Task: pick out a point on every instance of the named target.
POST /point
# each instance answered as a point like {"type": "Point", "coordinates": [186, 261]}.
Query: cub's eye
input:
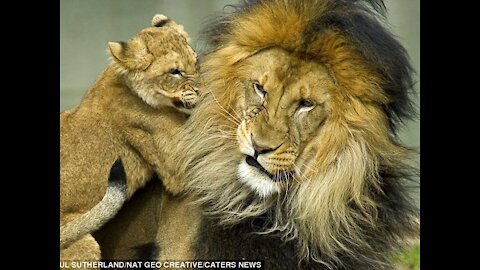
{"type": "Point", "coordinates": [175, 72]}
{"type": "Point", "coordinates": [259, 90]}
{"type": "Point", "coordinates": [306, 105]}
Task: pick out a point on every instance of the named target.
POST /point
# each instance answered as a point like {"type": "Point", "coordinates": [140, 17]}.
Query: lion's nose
{"type": "Point", "coordinates": [259, 149]}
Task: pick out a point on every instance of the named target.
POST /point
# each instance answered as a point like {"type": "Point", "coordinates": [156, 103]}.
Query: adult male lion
{"type": "Point", "coordinates": [296, 138]}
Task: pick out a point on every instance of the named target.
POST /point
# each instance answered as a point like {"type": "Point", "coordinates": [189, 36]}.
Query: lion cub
{"type": "Point", "coordinates": [129, 114]}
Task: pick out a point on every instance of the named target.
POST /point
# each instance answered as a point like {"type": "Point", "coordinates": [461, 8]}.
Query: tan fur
{"type": "Point", "coordinates": [85, 249]}
{"type": "Point", "coordinates": [114, 198]}
{"type": "Point", "coordinates": [177, 228]}
{"type": "Point", "coordinates": [135, 99]}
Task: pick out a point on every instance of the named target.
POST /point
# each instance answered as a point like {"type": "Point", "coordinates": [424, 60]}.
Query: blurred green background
{"type": "Point", "coordinates": [86, 26]}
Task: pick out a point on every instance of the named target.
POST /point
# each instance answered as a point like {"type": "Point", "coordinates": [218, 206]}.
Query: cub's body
{"type": "Point", "coordinates": [130, 113]}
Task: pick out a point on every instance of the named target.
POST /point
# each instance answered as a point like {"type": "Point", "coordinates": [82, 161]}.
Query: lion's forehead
{"type": "Point", "coordinates": [286, 76]}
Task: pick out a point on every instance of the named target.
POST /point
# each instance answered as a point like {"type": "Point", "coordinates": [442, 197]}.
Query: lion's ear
{"type": "Point", "coordinates": [132, 55]}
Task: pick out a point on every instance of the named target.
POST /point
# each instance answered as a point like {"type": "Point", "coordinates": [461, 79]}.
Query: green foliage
{"type": "Point", "coordinates": [409, 259]}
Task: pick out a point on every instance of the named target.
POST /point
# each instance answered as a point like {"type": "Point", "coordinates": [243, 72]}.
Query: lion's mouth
{"type": "Point", "coordinates": [276, 178]}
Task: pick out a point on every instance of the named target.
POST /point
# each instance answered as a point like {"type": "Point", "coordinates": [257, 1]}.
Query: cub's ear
{"type": "Point", "coordinates": [132, 55]}
{"type": "Point", "coordinates": [159, 20]}
{"type": "Point", "coordinates": [116, 50]}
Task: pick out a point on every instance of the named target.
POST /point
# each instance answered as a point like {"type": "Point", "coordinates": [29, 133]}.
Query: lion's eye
{"type": "Point", "coordinates": [175, 72]}
{"type": "Point", "coordinates": [260, 90]}
{"type": "Point", "coordinates": [305, 105]}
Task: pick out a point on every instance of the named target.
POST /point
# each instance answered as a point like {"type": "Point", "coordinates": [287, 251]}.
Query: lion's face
{"type": "Point", "coordinates": [284, 104]}
{"type": "Point", "coordinates": [160, 65]}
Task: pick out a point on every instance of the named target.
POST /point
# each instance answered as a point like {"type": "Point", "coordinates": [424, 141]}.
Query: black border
{"type": "Point", "coordinates": [444, 129]}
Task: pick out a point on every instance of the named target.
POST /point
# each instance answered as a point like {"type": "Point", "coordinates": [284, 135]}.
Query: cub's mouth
{"type": "Point", "coordinates": [180, 104]}
{"type": "Point", "coordinates": [282, 176]}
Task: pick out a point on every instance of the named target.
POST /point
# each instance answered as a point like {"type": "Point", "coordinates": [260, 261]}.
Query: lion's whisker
{"type": "Point", "coordinates": [235, 111]}
{"type": "Point", "coordinates": [237, 121]}
{"type": "Point", "coordinates": [230, 118]}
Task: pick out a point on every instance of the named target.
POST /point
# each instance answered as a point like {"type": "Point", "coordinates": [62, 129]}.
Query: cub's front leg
{"type": "Point", "coordinates": [84, 250]}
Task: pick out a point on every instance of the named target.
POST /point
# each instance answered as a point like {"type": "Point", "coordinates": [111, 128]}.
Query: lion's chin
{"type": "Point", "coordinates": [258, 181]}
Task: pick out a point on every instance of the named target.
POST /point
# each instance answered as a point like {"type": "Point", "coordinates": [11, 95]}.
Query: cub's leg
{"type": "Point", "coordinates": [76, 241]}
{"type": "Point", "coordinates": [84, 250]}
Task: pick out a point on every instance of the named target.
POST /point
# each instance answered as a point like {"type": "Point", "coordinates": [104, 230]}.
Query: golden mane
{"type": "Point", "coordinates": [352, 206]}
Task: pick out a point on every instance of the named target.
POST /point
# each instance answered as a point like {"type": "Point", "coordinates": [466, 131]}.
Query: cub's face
{"type": "Point", "coordinates": [160, 66]}
{"type": "Point", "coordinates": [172, 74]}
{"type": "Point", "coordinates": [285, 103]}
